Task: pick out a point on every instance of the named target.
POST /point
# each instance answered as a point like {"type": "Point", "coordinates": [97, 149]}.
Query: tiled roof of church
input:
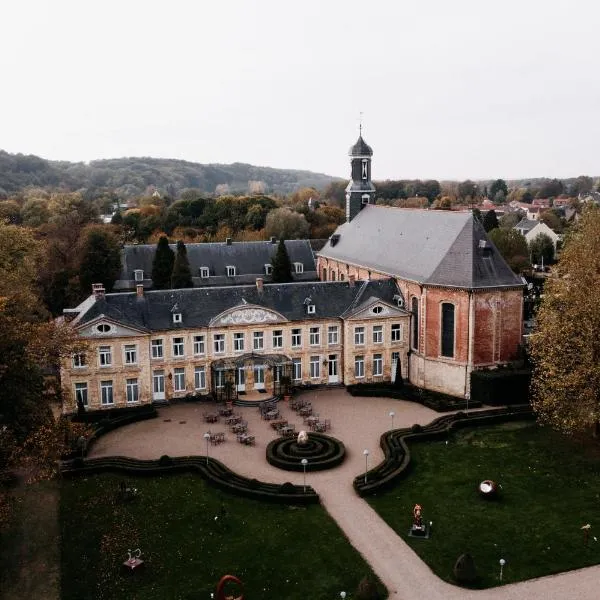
{"type": "Point", "coordinates": [199, 306]}
{"type": "Point", "coordinates": [434, 247]}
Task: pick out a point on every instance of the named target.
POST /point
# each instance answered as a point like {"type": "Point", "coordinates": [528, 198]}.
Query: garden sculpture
{"type": "Point", "coordinates": [302, 438]}
{"type": "Point", "coordinates": [221, 588]}
{"type": "Point", "coordinates": [418, 519]}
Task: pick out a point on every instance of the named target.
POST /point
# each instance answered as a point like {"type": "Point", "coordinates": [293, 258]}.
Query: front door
{"type": "Point", "coordinates": [240, 379]}
{"type": "Point", "coordinates": [158, 385]}
{"type": "Point", "coordinates": [259, 378]}
{"type": "Point", "coordinates": [332, 366]}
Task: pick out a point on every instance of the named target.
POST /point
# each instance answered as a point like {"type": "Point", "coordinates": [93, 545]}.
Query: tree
{"type": "Point", "coordinates": [498, 186]}
{"type": "Point", "coordinates": [162, 265]}
{"type": "Point", "coordinates": [553, 219]}
{"type": "Point", "coordinates": [35, 212]}
{"type": "Point", "coordinates": [284, 223]}
{"type": "Point", "coordinates": [100, 258]}
{"type": "Point", "coordinates": [467, 188]}
{"type": "Point", "coordinates": [582, 184]}
{"type": "Point", "coordinates": [490, 220]}
{"type": "Point", "coordinates": [477, 215]}
{"type": "Point", "coordinates": [282, 266]}
{"type": "Point", "coordinates": [541, 249]}
{"type": "Point", "coordinates": [551, 188]}
{"type": "Point", "coordinates": [565, 348]}
{"type": "Point", "coordinates": [509, 220]}
{"type": "Point", "coordinates": [181, 276]}
{"type": "Point", "coordinates": [513, 247]}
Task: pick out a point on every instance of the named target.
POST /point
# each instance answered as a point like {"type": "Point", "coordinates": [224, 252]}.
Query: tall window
{"type": "Point", "coordinates": [199, 344]}
{"type": "Point", "coordinates": [278, 338]}
{"type": "Point", "coordinates": [377, 365]}
{"type": "Point", "coordinates": [105, 356]}
{"type": "Point", "coordinates": [81, 393]}
{"type": "Point", "coordinates": [238, 342]}
{"type": "Point", "coordinates": [258, 340]}
{"type": "Point", "coordinates": [359, 366]}
{"type": "Point", "coordinates": [133, 390]}
{"type": "Point", "coordinates": [332, 335]}
{"type": "Point", "coordinates": [79, 360]}
{"type": "Point", "coordinates": [157, 349]}
{"type": "Point", "coordinates": [106, 392]}
{"type": "Point", "coordinates": [130, 354]}
{"type": "Point", "coordinates": [364, 168]}
{"type": "Point", "coordinates": [359, 336]}
{"type": "Point", "coordinates": [378, 334]}
{"type": "Point", "coordinates": [415, 324]}
{"type": "Point", "coordinates": [297, 369]}
{"type": "Point", "coordinates": [179, 380]}
{"type": "Point", "coordinates": [448, 329]}
{"type": "Point", "coordinates": [219, 342]}
{"type": "Point", "coordinates": [315, 336]}
{"type": "Point", "coordinates": [396, 332]}
{"type": "Point", "coordinates": [178, 347]}
{"type": "Point", "coordinates": [200, 378]}
{"type": "Point", "coordinates": [296, 338]}
{"type": "Point", "coordinates": [315, 367]}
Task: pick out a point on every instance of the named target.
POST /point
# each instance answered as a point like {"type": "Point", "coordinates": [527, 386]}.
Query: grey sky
{"type": "Point", "coordinates": [448, 88]}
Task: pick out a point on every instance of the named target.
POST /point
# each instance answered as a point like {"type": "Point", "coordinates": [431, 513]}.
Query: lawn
{"type": "Point", "coordinates": [277, 551]}
{"type": "Point", "coordinates": [550, 488]}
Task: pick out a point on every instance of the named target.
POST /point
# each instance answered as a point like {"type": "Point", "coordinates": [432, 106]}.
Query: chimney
{"type": "Point", "coordinates": [98, 290]}
{"type": "Point", "coordinates": [351, 280]}
{"type": "Point", "coordinates": [139, 290]}
{"type": "Point", "coordinates": [228, 241]}
{"type": "Point", "coordinates": [273, 239]}
{"type": "Point", "coordinates": [259, 284]}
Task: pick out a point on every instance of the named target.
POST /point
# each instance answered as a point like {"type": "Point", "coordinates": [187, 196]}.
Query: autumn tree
{"type": "Point", "coordinates": [565, 347]}
{"type": "Point", "coordinates": [182, 275]}
{"type": "Point", "coordinates": [162, 265]}
{"type": "Point", "coordinates": [100, 258]}
{"type": "Point", "coordinates": [490, 220]}
{"type": "Point", "coordinates": [513, 247]}
{"type": "Point", "coordinates": [509, 220]}
{"type": "Point", "coordinates": [282, 266]}
{"type": "Point", "coordinates": [284, 223]}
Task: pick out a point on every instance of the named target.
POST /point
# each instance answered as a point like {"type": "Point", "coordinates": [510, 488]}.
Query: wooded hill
{"type": "Point", "coordinates": [128, 177]}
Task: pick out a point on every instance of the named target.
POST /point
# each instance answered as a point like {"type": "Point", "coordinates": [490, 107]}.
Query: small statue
{"type": "Point", "coordinates": [302, 438]}
{"type": "Point", "coordinates": [418, 519]}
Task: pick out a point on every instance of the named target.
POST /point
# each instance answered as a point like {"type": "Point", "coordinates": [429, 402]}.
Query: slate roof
{"type": "Point", "coordinates": [249, 259]}
{"type": "Point", "coordinates": [526, 224]}
{"type": "Point", "coordinates": [361, 148]}
{"type": "Point", "coordinates": [199, 306]}
{"type": "Point", "coordinates": [444, 248]}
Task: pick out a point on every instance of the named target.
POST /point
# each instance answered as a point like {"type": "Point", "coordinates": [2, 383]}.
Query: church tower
{"type": "Point", "coordinates": [360, 190]}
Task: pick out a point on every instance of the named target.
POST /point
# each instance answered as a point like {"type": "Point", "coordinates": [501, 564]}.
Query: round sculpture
{"type": "Point", "coordinates": [488, 488]}
{"type": "Point", "coordinates": [302, 438]}
{"type": "Point", "coordinates": [321, 452]}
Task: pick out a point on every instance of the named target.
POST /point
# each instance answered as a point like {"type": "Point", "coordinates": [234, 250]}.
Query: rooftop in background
{"type": "Point", "coordinates": [444, 248]}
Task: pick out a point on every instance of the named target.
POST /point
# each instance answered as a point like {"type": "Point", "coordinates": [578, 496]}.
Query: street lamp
{"type": "Point", "coordinates": [392, 415]}
{"type": "Point", "coordinates": [207, 438]}
{"type": "Point", "coordinates": [366, 454]}
{"type": "Point", "coordinates": [502, 563]}
{"type": "Point", "coordinates": [304, 463]}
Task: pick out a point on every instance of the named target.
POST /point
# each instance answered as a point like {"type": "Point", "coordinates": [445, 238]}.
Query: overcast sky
{"type": "Point", "coordinates": [448, 89]}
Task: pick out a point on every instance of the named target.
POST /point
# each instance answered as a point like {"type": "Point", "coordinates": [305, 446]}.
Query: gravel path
{"type": "Point", "coordinates": [358, 422]}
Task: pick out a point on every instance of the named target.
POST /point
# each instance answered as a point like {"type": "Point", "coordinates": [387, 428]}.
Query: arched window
{"type": "Point", "coordinates": [332, 275]}
{"type": "Point", "coordinates": [448, 329]}
{"type": "Point", "coordinates": [415, 324]}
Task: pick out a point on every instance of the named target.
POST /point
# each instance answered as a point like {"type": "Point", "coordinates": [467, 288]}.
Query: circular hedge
{"type": "Point", "coordinates": [321, 452]}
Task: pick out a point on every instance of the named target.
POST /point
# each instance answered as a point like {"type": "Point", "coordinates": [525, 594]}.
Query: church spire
{"type": "Point", "coordinates": [360, 190]}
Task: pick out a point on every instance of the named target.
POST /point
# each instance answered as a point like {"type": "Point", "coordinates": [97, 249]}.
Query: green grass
{"type": "Point", "coordinates": [277, 551]}
{"type": "Point", "coordinates": [550, 488]}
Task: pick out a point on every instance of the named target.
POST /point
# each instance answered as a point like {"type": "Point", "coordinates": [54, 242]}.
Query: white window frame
{"type": "Point", "coordinates": [157, 349]}
{"type": "Point", "coordinates": [204, 272]}
{"type": "Point", "coordinates": [377, 365]}
{"type": "Point", "coordinates": [128, 351]}
{"type": "Point", "coordinates": [178, 379]}
{"type": "Point", "coordinates": [199, 342]}
{"type": "Point", "coordinates": [81, 389]}
{"type": "Point", "coordinates": [219, 343]}
{"type": "Point", "coordinates": [138, 275]}
{"type": "Point", "coordinates": [365, 169]}
{"type": "Point", "coordinates": [314, 336]}
{"type": "Point", "coordinates": [297, 336]}
{"type": "Point", "coordinates": [230, 270]}
{"type": "Point", "coordinates": [359, 367]}
{"type": "Point", "coordinates": [239, 341]}
{"type": "Point", "coordinates": [79, 360]}
{"type": "Point", "coordinates": [333, 335]}
{"type": "Point", "coordinates": [311, 309]}
{"type": "Point", "coordinates": [297, 369]}
{"type": "Point", "coordinates": [132, 391]}
{"type": "Point", "coordinates": [365, 199]}
{"type": "Point", "coordinates": [268, 269]}
{"type": "Point", "coordinates": [258, 340]}
{"type": "Point", "coordinates": [378, 334]}
{"type": "Point", "coordinates": [178, 347]}
{"type": "Point", "coordinates": [200, 378]}
{"type": "Point", "coordinates": [315, 367]}
{"type": "Point", "coordinates": [106, 352]}
{"type": "Point", "coordinates": [298, 267]}
{"type": "Point", "coordinates": [177, 318]}
{"type": "Point", "coordinates": [277, 338]}
{"type": "Point", "coordinates": [359, 335]}
{"type": "Point", "coordinates": [396, 332]}
{"type": "Point", "coordinates": [107, 385]}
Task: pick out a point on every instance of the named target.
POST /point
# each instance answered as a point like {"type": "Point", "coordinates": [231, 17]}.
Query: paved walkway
{"type": "Point", "coordinates": [358, 422]}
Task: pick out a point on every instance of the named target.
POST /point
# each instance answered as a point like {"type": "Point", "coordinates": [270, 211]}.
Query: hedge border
{"type": "Point", "coordinates": [334, 457]}
{"type": "Point", "coordinates": [396, 463]}
{"type": "Point", "coordinates": [210, 469]}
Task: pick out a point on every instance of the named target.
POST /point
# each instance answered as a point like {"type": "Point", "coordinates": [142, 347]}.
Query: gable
{"type": "Point", "coordinates": [104, 327]}
{"type": "Point", "coordinates": [375, 309]}
{"type": "Point", "coordinates": [247, 315]}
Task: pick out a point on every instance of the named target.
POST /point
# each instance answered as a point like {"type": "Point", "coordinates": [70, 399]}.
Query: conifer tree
{"type": "Point", "coordinates": [100, 258]}
{"type": "Point", "coordinates": [162, 265]}
{"type": "Point", "coordinates": [490, 220]}
{"type": "Point", "coordinates": [181, 276]}
{"type": "Point", "coordinates": [282, 266]}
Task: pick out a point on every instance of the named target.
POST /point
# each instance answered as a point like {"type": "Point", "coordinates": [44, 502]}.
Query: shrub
{"type": "Point", "coordinates": [501, 386]}
{"type": "Point", "coordinates": [165, 461]}
{"type": "Point", "coordinates": [416, 428]}
{"type": "Point", "coordinates": [287, 488]}
{"type": "Point", "coordinates": [254, 484]}
{"type": "Point", "coordinates": [78, 463]}
{"type": "Point", "coordinates": [366, 590]}
{"type": "Point", "coordinates": [464, 569]}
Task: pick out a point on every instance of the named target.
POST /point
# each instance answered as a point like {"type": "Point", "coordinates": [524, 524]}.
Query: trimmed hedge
{"type": "Point", "coordinates": [215, 472]}
{"type": "Point", "coordinates": [95, 416]}
{"type": "Point", "coordinates": [501, 387]}
{"type": "Point", "coordinates": [321, 451]}
{"type": "Point", "coordinates": [434, 400]}
{"type": "Point", "coordinates": [396, 463]}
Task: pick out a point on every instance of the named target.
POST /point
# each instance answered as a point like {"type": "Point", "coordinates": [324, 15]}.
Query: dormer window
{"type": "Point", "coordinates": [299, 267]}
{"type": "Point", "coordinates": [230, 271]}
{"type": "Point", "coordinates": [310, 309]}
{"type": "Point", "coordinates": [204, 272]}
{"type": "Point", "coordinates": [365, 171]}
{"type": "Point", "coordinates": [365, 198]}
{"type": "Point", "coordinates": [268, 269]}
{"type": "Point", "coordinates": [138, 275]}
{"type": "Point", "coordinates": [177, 317]}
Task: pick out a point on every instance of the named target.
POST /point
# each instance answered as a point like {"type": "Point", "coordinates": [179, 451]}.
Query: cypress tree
{"type": "Point", "coordinates": [490, 220]}
{"type": "Point", "coordinates": [162, 265]}
{"type": "Point", "coordinates": [100, 258]}
{"type": "Point", "coordinates": [282, 266]}
{"type": "Point", "coordinates": [181, 276]}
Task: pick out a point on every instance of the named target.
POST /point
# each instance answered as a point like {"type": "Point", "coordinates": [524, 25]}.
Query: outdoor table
{"type": "Point", "coordinates": [225, 412]}
{"type": "Point", "coordinates": [320, 427]}
{"type": "Point", "coordinates": [272, 414]}
{"type": "Point", "coordinates": [306, 411]}
{"type": "Point", "coordinates": [312, 420]}
{"type": "Point", "coordinates": [239, 428]}
{"type": "Point", "coordinates": [233, 419]}
{"type": "Point", "coordinates": [279, 424]}
{"type": "Point", "coordinates": [211, 418]}
{"type": "Point", "coordinates": [287, 430]}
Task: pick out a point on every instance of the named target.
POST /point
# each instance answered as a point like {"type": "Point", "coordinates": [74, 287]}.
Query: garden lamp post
{"type": "Point", "coordinates": [366, 455]}
{"type": "Point", "coordinates": [502, 563]}
{"type": "Point", "coordinates": [304, 463]}
{"type": "Point", "coordinates": [207, 438]}
{"type": "Point", "coordinates": [392, 415]}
